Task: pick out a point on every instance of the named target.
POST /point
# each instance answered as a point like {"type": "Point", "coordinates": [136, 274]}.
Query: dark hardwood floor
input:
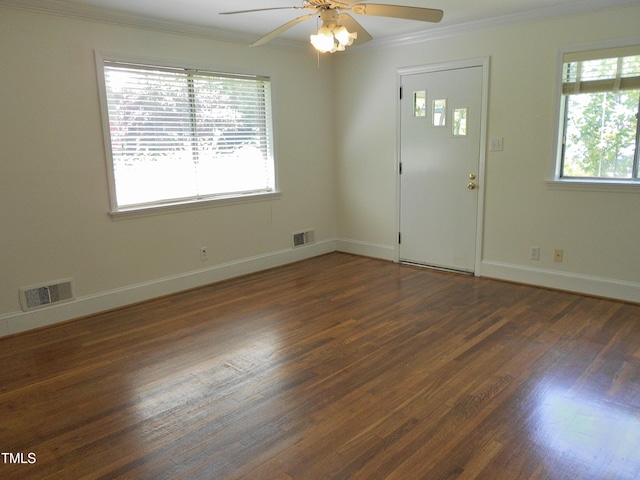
{"type": "Point", "coordinates": [336, 367]}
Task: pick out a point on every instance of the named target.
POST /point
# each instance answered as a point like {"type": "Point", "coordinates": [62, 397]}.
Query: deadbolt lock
{"type": "Point", "coordinates": [472, 176]}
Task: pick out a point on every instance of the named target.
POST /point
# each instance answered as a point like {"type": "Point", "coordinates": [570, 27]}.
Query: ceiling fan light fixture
{"type": "Point", "coordinates": [332, 39]}
{"type": "Point", "coordinates": [323, 41]}
{"type": "Point", "coordinates": [344, 37]}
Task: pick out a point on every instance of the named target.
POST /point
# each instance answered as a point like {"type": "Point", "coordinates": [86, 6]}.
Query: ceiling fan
{"type": "Point", "coordinates": [339, 29]}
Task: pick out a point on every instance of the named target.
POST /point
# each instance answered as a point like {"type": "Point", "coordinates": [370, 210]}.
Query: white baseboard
{"type": "Point", "coordinates": [366, 249]}
{"type": "Point", "coordinates": [573, 282]}
{"type": "Point", "coordinates": [16, 322]}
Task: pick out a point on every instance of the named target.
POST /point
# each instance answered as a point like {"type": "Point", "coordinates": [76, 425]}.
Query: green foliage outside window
{"type": "Point", "coordinates": [601, 134]}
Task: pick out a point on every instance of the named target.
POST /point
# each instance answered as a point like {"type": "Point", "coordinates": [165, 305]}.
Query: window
{"type": "Point", "coordinates": [179, 136]}
{"type": "Point", "coordinates": [600, 105]}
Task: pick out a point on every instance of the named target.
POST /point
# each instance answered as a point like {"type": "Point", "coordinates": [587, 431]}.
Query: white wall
{"type": "Point", "coordinates": [54, 216]}
{"type": "Point", "coordinates": [598, 231]}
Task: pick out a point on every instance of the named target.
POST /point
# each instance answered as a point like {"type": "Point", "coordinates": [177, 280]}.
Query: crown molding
{"type": "Point", "coordinates": [439, 32]}
{"type": "Point", "coordinates": [98, 14]}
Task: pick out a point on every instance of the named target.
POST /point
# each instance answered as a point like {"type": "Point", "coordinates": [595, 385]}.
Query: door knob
{"type": "Point", "coordinates": [471, 185]}
{"type": "Point", "coordinates": [472, 176]}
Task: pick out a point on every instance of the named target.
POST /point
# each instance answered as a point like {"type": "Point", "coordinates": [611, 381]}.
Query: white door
{"type": "Point", "coordinates": [440, 131]}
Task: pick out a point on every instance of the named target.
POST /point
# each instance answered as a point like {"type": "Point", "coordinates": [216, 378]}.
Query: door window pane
{"type": "Point", "coordinates": [460, 122]}
{"type": "Point", "coordinates": [420, 103]}
{"type": "Point", "coordinates": [440, 112]}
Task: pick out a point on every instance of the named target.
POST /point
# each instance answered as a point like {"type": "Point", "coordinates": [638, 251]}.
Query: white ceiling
{"type": "Point", "coordinates": [203, 16]}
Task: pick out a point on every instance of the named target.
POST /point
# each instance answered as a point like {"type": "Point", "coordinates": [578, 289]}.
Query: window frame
{"type": "Point", "coordinates": [555, 179]}
{"type": "Point", "coordinates": [169, 206]}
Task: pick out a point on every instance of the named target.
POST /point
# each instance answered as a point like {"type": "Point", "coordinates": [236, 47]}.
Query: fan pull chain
{"type": "Point", "coordinates": [318, 51]}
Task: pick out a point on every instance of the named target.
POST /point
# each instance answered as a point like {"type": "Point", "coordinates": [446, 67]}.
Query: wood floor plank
{"type": "Point", "coordinates": [338, 367]}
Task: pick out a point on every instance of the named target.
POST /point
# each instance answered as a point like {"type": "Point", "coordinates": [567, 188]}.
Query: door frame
{"type": "Point", "coordinates": [483, 62]}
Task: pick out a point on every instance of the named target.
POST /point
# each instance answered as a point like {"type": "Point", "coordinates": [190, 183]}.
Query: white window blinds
{"type": "Point", "coordinates": [601, 70]}
{"type": "Point", "coordinates": [183, 135]}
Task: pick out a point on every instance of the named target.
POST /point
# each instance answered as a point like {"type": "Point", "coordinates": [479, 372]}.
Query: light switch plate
{"type": "Point", "coordinates": [496, 144]}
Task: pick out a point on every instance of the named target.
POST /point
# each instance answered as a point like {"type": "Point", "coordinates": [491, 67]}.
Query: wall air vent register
{"type": "Point", "coordinates": [44, 295]}
{"type": "Point", "coordinates": [303, 238]}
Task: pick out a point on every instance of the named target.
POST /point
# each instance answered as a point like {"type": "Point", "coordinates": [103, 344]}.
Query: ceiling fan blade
{"type": "Point", "coordinates": [258, 10]}
{"type": "Point", "coordinates": [306, 6]}
{"type": "Point", "coordinates": [271, 35]}
{"type": "Point", "coordinates": [396, 11]}
{"type": "Point", "coordinates": [352, 25]}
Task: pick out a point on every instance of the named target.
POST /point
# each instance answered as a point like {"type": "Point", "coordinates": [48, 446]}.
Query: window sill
{"type": "Point", "coordinates": [149, 210]}
{"type": "Point", "coordinates": [594, 185]}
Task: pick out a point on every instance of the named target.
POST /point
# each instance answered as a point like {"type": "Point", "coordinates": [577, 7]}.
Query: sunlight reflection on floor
{"type": "Point", "coordinates": [186, 382]}
{"type": "Point", "coordinates": [588, 430]}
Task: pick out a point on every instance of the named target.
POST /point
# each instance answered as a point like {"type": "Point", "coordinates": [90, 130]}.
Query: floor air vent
{"type": "Point", "coordinates": [44, 295]}
{"type": "Point", "coordinates": [302, 238]}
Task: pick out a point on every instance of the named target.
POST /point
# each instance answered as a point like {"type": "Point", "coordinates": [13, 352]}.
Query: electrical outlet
{"type": "Point", "coordinates": [204, 255]}
{"type": "Point", "coordinates": [557, 255]}
{"type": "Point", "coordinates": [534, 253]}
